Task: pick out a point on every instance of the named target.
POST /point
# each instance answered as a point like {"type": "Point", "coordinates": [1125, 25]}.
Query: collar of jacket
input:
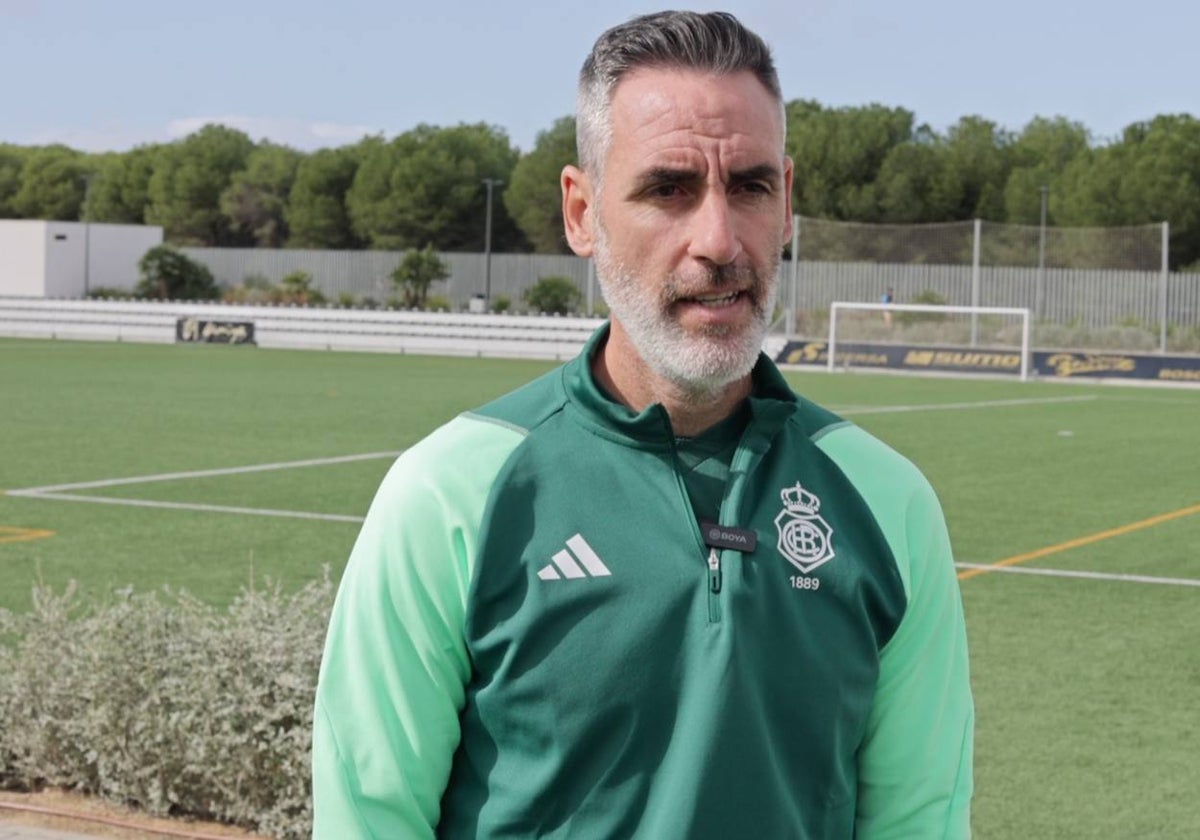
{"type": "Point", "coordinates": [771, 401]}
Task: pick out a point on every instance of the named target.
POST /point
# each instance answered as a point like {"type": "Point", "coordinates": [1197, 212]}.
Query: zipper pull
{"type": "Point", "coordinates": [714, 570]}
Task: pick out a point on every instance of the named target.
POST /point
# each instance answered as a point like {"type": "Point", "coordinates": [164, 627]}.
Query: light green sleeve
{"type": "Point", "coordinates": [915, 764]}
{"type": "Point", "coordinates": [395, 667]}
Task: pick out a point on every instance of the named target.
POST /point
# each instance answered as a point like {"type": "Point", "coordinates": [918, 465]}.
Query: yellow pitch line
{"type": "Point", "coordinates": [10, 535]}
{"type": "Point", "coordinates": [1078, 541]}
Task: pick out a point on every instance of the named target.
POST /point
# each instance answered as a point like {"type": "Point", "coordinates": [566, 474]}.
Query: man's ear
{"type": "Point", "coordinates": [578, 210]}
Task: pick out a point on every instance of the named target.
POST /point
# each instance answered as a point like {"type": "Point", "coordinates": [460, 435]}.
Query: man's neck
{"type": "Point", "coordinates": [627, 377]}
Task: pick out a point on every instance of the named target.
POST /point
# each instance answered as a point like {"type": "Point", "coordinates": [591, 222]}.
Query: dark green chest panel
{"type": "Point", "coordinates": [612, 680]}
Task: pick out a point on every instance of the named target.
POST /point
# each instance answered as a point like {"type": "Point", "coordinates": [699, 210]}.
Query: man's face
{"type": "Point", "coordinates": [691, 219]}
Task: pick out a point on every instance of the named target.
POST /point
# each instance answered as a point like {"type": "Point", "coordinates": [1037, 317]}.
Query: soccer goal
{"type": "Point", "coordinates": [995, 338]}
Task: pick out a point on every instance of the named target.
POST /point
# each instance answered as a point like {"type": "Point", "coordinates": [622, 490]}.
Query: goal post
{"type": "Point", "coordinates": [921, 324]}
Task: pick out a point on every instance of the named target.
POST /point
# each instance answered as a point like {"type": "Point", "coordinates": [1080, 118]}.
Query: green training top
{"type": "Point", "coordinates": [533, 640]}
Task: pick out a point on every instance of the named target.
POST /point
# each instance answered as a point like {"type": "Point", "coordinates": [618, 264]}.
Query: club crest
{"type": "Point", "coordinates": [805, 538]}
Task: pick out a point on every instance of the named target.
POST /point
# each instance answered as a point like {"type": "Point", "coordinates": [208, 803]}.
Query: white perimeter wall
{"type": "Point", "coordinates": [115, 252]}
{"type": "Point", "coordinates": [22, 258]}
{"type": "Point", "coordinates": [64, 260]}
{"type": "Point", "coordinates": [47, 259]}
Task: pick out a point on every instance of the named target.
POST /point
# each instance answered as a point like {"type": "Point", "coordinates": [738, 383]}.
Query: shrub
{"type": "Point", "coordinates": [346, 300]}
{"type": "Point", "coordinates": [553, 295]}
{"type": "Point", "coordinates": [166, 702]}
{"type": "Point", "coordinates": [107, 293]}
{"type": "Point", "coordinates": [929, 297]}
{"type": "Point", "coordinates": [501, 303]}
{"type": "Point", "coordinates": [298, 288]}
{"type": "Point", "coordinates": [169, 274]}
{"type": "Point", "coordinates": [438, 303]}
{"type": "Point", "coordinates": [417, 272]}
{"type": "Point", "coordinates": [255, 288]}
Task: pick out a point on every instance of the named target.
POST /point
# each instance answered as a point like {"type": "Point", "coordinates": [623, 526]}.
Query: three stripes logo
{"type": "Point", "coordinates": [577, 560]}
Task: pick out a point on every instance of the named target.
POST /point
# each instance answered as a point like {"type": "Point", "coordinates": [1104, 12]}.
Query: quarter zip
{"type": "Point", "coordinates": [712, 557]}
{"type": "Point", "coordinates": [714, 585]}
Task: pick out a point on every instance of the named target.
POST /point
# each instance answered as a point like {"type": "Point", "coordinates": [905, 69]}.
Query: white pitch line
{"type": "Point", "coordinates": [145, 479]}
{"type": "Point", "coordinates": [109, 500]}
{"type": "Point", "coordinates": [1028, 570]}
{"type": "Point", "coordinates": [899, 409]}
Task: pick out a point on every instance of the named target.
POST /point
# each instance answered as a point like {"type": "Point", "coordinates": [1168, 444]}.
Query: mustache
{"type": "Point", "coordinates": [714, 278]}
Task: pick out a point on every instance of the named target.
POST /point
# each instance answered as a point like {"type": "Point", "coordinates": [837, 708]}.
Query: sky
{"type": "Point", "coordinates": [111, 74]}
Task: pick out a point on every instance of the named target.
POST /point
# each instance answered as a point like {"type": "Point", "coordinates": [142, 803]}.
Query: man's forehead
{"type": "Point", "coordinates": [669, 114]}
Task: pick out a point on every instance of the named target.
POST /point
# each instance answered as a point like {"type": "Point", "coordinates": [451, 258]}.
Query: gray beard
{"type": "Point", "coordinates": [698, 364]}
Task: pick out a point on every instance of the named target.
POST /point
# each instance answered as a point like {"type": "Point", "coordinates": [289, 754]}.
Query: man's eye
{"type": "Point", "coordinates": [664, 191]}
{"type": "Point", "coordinates": [756, 187]}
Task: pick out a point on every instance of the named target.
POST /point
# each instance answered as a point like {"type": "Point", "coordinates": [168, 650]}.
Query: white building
{"type": "Point", "coordinates": [67, 259]}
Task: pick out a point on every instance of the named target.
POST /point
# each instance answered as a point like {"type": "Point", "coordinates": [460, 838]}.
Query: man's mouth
{"type": "Point", "coordinates": [714, 301]}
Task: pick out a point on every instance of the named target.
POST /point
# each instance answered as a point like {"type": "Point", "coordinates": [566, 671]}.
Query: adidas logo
{"type": "Point", "coordinates": [583, 563]}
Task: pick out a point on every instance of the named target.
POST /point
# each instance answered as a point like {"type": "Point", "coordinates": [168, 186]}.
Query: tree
{"type": "Point", "coordinates": [52, 185]}
{"type": "Point", "coordinates": [417, 272]}
{"type": "Point", "coordinates": [12, 158]}
{"type": "Point", "coordinates": [1152, 174]}
{"type": "Point", "coordinates": [120, 188]}
{"type": "Point", "coordinates": [553, 295]}
{"type": "Point", "coordinates": [1161, 180]}
{"type": "Point", "coordinates": [1039, 156]}
{"type": "Point", "coordinates": [168, 274]}
{"type": "Point", "coordinates": [533, 198]}
{"type": "Point", "coordinates": [255, 199]}
{"type": "Point", "coordinates": [316, 208]}
{"type": "Point", "coordinates": [976, 159]}
{"type": "Point", "coordinates": [913, 186]}
{"type": "Point", "coordinates": [838, 154]}
{"type": "Point", "coordinates": [425, 186]}
{"type": "Point", "coordinates": [189, 177]}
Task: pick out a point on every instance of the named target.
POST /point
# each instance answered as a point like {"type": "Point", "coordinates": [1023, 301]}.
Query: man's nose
{"type": "Point", "coordinates": [713, 236]}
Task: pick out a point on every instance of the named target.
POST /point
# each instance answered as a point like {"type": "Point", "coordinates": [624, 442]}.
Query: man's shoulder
{"type": "Point", "coordinates": [492, 430]}
{"type": "Point", "coordinates": [527, 407]}
{"type": "Point", "coordinates": [868, 461]}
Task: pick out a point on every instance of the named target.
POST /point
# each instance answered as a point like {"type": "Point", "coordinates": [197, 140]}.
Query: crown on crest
{"type": "Point", "coordinates": [798, 500]}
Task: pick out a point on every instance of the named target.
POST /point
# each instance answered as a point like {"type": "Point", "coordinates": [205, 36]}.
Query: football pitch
{"type": "Point", "coordinates": [1074, 512]}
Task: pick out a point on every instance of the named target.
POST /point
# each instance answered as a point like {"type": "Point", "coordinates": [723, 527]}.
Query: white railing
{"type": "Point", "coordinates": [389, 331]}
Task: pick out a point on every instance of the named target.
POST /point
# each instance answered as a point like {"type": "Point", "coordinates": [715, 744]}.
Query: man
{"type": "Point", "coordinates": [536, 636]}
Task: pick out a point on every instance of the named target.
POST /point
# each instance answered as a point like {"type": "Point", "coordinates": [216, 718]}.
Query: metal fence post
{"type": "Point", "coordinates": [794, 297]}
{"type": "Point", "coordinates": [1162, 291]}
{"type": "Point", "coordinates": [975, 282]}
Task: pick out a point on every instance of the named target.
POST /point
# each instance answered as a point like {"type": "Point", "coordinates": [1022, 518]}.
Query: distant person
{"type": "Point", "coordinates": [654, 594]}
{"type": "Point", "coordinates": [887, 300]}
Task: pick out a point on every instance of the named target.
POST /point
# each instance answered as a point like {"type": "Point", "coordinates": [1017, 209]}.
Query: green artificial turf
{"type": "Point", "coordinates": [1086, 689]}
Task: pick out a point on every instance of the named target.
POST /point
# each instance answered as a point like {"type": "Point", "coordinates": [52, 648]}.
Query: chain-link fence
{"type": "Point", "coordinates": [1085, 286]}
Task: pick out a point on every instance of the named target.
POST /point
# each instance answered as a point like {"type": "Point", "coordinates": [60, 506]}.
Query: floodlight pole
{"type": "Point", "coordinates": [1041, 277]}
{"type": "Point", "coordinates": [490, 183]}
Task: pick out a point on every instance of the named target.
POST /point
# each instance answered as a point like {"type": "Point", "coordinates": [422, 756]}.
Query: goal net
{"type": "Point", "coordinates": [931, 337]}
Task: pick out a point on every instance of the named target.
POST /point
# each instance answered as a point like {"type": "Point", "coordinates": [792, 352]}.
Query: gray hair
{"type": "Point", "coordinates": [715, 42]}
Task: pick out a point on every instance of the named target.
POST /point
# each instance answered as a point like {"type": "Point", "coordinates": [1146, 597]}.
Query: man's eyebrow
{"type": "Point", "coordinates": [671, 175]}
{"type": "Point", "coordinates": [665, 175]}
{"type": "Point", "coordinates": [762, 172]}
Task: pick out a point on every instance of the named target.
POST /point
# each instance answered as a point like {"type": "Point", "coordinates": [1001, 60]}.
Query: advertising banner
{"type": "Point", "coordinates": [1054, 364]}
{"type": "Point", "coordinates": [214, 332]}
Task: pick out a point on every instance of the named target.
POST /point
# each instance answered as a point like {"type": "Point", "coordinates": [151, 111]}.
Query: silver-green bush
{"type": "Point", "coordinates": [166, 702]}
